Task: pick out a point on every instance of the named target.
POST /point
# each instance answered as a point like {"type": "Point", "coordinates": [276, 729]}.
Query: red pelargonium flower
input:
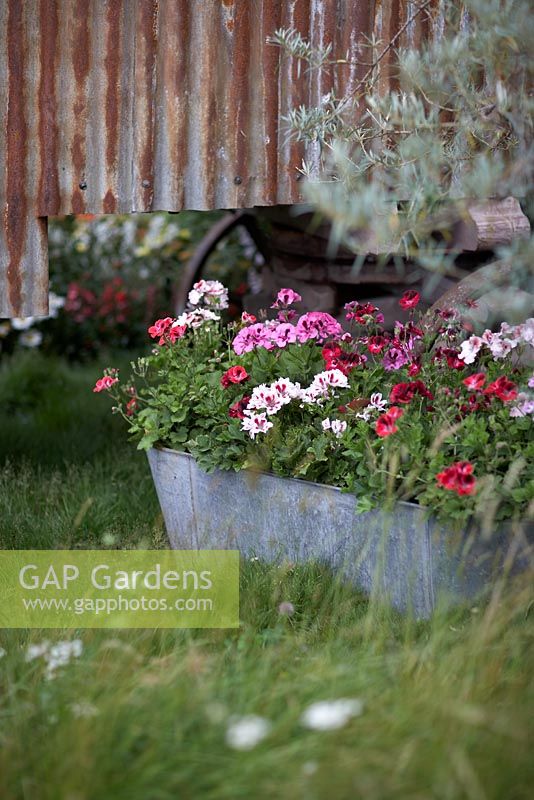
{"type": "Point", "coordinates": [336, 358]}
{"type": "Point", "coordinates": [385, 424]}
{"type": "Point", "coordinates": [503, 388]}
{"type": "Point", "coordinates": [237, 410]}
{"type": "Point", "coordinates": [331, 351]}
{"type": "Point", "coordinates": [405, 392]}
{"type": "Point", "coordinates": [131, 407]}
{"type": "Point", "coordinates": [236, 374]}
{"type": "Point", "coordinates": [458, 478]}
{"type": "Point", "coordinates": [451, 356]}
{"type": "Point", "coordinates": [409, 299]}
{"type": "Point", "coordinates": [248, 319]}
{"type": "Point", "coordinates": [363, 313]}
{"type": "Point", "coordinates": [174, 333]}
{"type": "Point", "coordinates": [160, 327]}
{"type": "Point", "coordinates": [105, 383]}
{"type": "Point", "coordinates": [375, 344]}
{"type": "Point", "coordinates": [475, 382]}
{"type": "Point", "coordinates": [414, 369]}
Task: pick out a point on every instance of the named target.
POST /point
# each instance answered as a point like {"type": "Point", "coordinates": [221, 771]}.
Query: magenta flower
{"type": "Point", "coordinates": [394, 359]}
{"type": "Point", "coordinates": [286, 297]}
{"type": "Point", "coordinates": [249, 338]}
{"type": "Point", "coordinates": [284, 334]}
{"type": "Point", "coordinates": [318, 325]}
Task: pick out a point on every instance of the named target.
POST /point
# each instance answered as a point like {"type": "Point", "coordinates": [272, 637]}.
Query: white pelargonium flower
{"type": "Point", "coordinates": [255, 423]}
{"type": "Point", "coordinates": [470, 349]}
{"type": "Point", "coordinates": [244, 733]}
{"type": "Point", "coordinates": [212, 293]}
{"type": "Point", "coordinates": [377, 401]}
{"type": "Point", "coordinates": [286, 388]}
{"type": "Point", "coordinates": [338, 427]}
{"type": "Point", "coordinates": [329, 715]}
{"type": "Point", "coordinates": [501, 347]}
{"type": "Point", "coordinates": [334, 378]}
{"type": "Point", "coordinates": [195, 318]}
{"type": "Point", "coordinates": [194, 297]}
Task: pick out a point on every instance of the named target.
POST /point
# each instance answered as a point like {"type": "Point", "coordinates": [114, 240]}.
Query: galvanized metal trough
{"type": "Point", "coordinates": [406, 557]}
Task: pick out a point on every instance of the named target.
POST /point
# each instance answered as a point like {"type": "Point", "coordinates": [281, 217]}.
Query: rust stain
{"type": "Point", "coordinates": [77, 202]}
{"type": "Point", "coordinates": [270, 66]}
{"type": "Point", "coordinates": [110, 202]}
{"type": "Point", "coordinates": [112, 66]}
{"type": "Point", "coordinates": [16, 212]}
{"type": "Point", "coordinates": [148, 32]}
{"type": "Point", "coordinates": [239, 98]}
{"type": "Point", "coordinates": [80, 49]}
{"type": "Point", "coordinates": [49, 199]}
{"type": "Point", "coordinates": [81, 67]}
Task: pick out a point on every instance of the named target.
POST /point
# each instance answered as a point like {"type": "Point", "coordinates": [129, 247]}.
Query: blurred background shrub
{"type": "Point", "coordinates": [111, 276]}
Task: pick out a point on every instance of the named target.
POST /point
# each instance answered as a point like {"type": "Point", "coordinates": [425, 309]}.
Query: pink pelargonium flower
{"type": "Point", "coordinates": [284, 334]}
{"type": "Point", "coordinates": [249, 338]}
{"type": "Point", "coordinates": [285, 298]}
{"type": "Point", "coordinates": [105, 383]}
{"type": "Point", "coordinates": [318, 325]}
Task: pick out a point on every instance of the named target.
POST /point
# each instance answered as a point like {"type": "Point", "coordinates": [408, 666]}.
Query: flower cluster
{"type": "Point", "coordinates": [210, 293]}
{"type": "Point", "coordinates": [370, 410]}
{"type": "Point", "coordinates": [168, 330]}
{"type": "Point", "coordinates": [269, 400]}
{"type": "Point", "coordinates": [316, 326]}
{"type": "Point", "coordinates": [109, 379]}
{"type": "Point", "coordinates": [500, 344]}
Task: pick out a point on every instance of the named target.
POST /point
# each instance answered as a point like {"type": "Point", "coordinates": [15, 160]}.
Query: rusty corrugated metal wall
{"type": "Point", "coordinates": [141, 105]}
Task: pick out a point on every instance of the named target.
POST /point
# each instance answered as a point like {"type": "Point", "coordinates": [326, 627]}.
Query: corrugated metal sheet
{"type": "Point", "coordinates": [142, 105]}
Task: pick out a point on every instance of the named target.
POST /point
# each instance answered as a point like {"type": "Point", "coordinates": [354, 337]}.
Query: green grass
{"type": "Point", "coordinates": [447, 704]}
{"type": "Point", "coordinates": [68, 476]}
